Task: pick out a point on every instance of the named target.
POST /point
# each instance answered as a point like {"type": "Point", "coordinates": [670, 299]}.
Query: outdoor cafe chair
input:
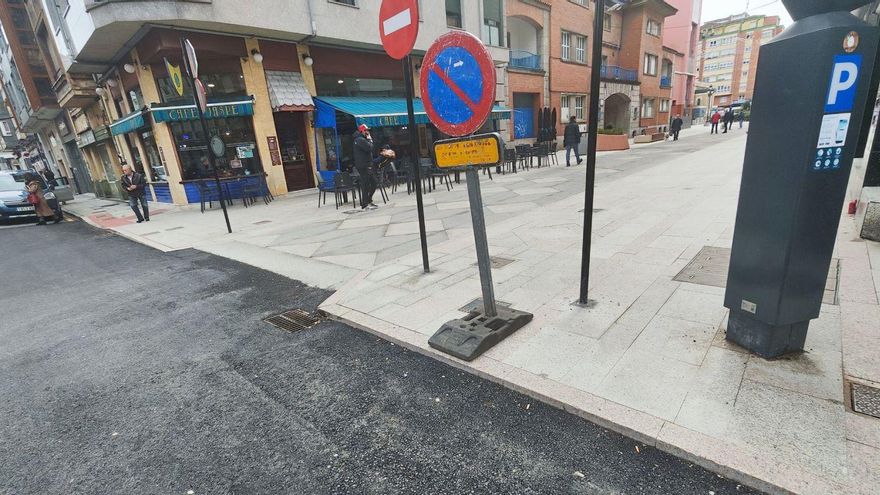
{"type": "Point", "coordinates": [343, 185]}
{"type": "Point", "coordinates": [326, 183]}
{"type": "Point", "coordinates": [207, 193]}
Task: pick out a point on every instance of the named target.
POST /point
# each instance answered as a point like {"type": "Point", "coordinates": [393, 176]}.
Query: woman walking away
{"type": "Point", "coordinates": [35, 197]}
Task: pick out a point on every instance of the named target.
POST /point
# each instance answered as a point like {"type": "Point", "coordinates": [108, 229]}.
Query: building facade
{"type": "Point", "coordinates": [730, 48]}
{"type": "Point", "coordinates": [285, 91]}
{"type": "Point", "coordinates": [682, 34]}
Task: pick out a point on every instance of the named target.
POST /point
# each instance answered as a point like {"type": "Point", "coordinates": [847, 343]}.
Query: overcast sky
{"type": "Point", "coordinates": [716, 9]}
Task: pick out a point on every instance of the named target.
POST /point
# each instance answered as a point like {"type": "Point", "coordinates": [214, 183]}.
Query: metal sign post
{"type": "Point", "coordinates": [487, 324]}
{"type": "Point", "coordinates": [398, 30]}
{"type": "Point", "coordinates": [189, 58]}
{"type": "Point", "coordinates": [592, 131]}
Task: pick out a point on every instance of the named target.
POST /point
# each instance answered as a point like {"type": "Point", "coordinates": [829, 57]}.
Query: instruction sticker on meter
{"type": "Point", "coordinates": [833, 131]}
{"type": "Point", "coordinates": [474, 151]}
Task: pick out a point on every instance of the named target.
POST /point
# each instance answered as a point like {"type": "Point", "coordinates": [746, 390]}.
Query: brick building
{"type": "Point", "coordinates": [550, 64]}
{"type": "Point", "coordinates": [730, 50]}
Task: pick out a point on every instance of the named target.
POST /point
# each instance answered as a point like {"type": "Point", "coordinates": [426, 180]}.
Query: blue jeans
{"type": "Point", "coordinates": [133, 202]}
{"type": "Point", "coordinates": [568, 150]}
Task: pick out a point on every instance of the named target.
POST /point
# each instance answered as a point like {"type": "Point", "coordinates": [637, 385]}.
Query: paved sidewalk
{"type": "Point", "coordinates": [649, 359]}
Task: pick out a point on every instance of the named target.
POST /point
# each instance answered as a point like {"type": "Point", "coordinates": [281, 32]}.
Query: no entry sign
{"type": "Point", "coordinates": [399, 26]}
{"type": "Point", "coordinates": [458, 83]}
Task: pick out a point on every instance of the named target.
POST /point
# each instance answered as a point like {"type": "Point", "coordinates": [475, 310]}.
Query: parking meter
{"type": "Point", "coordinates": [810, 95]}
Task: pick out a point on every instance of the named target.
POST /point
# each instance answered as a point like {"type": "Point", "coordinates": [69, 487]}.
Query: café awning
{"type": "Point", "coordinates": [217, 109]}
{"type": "Point", "coordinates": [129, 123]}
{"type": "Point", "coordinates": [386, 111]}
{"type": "Point", "coordinates": [288, 92]}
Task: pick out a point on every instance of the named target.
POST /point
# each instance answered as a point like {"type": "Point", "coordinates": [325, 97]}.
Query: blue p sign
{"type": "Point", "coordinates": [842, 89]}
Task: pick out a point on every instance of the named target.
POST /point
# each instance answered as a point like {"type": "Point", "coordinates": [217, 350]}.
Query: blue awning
{"type": "Point", "coordinates": [386, 111]}
{"type": "Point", "coordinates": [130, 122]}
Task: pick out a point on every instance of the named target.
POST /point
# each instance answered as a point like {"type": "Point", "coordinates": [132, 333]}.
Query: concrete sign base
{"type": "Point", "coordinates": [476, 333]}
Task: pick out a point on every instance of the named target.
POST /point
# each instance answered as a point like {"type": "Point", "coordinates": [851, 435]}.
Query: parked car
{"type": "Point", "coordinates": [13, 196]}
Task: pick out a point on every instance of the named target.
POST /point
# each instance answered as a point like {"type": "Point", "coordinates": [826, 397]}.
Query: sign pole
{"type": "Point", "coordinates": [414, 158]}
{"type": "Point", "coordinates": [592, 130]}
{"type": "Point", "coordinates": [212, 160]}
{"type": "Point", "coordinates": [482, 243]}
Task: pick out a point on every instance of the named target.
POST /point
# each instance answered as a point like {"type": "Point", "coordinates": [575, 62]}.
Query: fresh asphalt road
{"type": "Point", "coordinates": [125, 370]}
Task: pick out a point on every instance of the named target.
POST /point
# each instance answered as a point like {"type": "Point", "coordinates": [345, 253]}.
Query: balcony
{"type": "Point", "coordinates": [615, 73]}
{"type": "Point", "coordinates": [75, 91]}
{"type": "Point", "coordinates": [665, 82]}
{"type": "Point", "coordinates": [521, 59]}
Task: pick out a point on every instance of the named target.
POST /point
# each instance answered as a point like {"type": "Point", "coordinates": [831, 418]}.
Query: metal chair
{"type": "Point", "coordinates": [326, 183]}
{"type": "Point", "coordinates": [207, 193]}
{"type": "Point", "coordinates": [342, 186]}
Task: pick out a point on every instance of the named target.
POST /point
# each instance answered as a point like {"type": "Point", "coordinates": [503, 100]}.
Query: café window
{"type": "Point", "coordinates": [241, 156]}
{"type": "Point", "coordinates": [218, 86]}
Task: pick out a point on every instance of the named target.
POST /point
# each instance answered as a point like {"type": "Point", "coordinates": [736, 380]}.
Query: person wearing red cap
{"type": "Point", "coordinates": [364, 158]}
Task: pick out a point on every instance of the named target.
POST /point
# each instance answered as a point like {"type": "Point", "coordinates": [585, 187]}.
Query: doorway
{"type": "Point", "coordinates": [295, 159]}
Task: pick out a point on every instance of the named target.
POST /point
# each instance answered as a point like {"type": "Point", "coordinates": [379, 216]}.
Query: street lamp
{"type": "Point", "coordinates": [709, 100]}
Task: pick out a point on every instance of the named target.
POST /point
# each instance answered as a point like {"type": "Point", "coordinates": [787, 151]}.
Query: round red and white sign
{"type": "Point", "coordinates": [399, 26]}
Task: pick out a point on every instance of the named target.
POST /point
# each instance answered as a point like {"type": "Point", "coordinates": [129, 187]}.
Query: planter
{"type": "Point", "coordinates": [612, 142]}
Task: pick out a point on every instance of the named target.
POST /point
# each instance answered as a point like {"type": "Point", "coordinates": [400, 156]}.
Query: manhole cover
{"type": "Point", "coordinates": [866, 400]}
{"type": "Point", "coordinates": [710, 266]}
{"type": "Point", "coordinates": [499, 262]}
{"type": "Point", "coordinates": [293, 320]}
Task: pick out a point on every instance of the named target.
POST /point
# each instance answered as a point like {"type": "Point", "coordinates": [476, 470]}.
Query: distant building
{"type": "Point", "coordinates": [682, 34]}
{"type": "Point", "coordinates": [730, 49]}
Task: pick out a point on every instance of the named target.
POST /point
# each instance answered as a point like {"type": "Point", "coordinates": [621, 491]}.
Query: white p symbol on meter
{"type": "Point", "coordinates": [842, 88]}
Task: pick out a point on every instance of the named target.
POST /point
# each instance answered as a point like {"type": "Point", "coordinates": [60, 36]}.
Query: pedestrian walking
{"type": "Point", "coordinates": [728, 120]}
{"type": "Point", "coordinates": [363, 161]}
{"type": "Point", "coordinates": [35, 197]}
{"type": "Point", "coordinates": [571, 140]}
{"type": "Point", "coordinates": [675, 127]}
{"type": "Point", "coordinates": [742, 117]}
{"type": "Point", "coordinates": [50, 177]}
{"type": "Point", "coordinates": [136, 186]}
{"type": "Point", "coordinates": [716, 117]}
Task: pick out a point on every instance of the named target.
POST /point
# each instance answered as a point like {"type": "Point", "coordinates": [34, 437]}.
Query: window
{"type": "Point", "coordinates": [572, 105]}
{"type": "Point", "coordinates": [579, 2]}
{"type": "Point", "coordinates": [493, 22]}
{"type": "Point", "coordinates": [580, 49]}
{"type": "Point", "coordinates": [453, 13]}
{"type": "Point", "coordinates": [353, 3]}
{"type": "Point", "coordinates": [653, 27]}
{"type": "Point", "coordinates": [664, 105]}
{"type": "Point", "coordinates": [566, 46]}
{"type": "Point", "coordinates": [650, 65]}
{"type": "Point", "coordinates": [607, 21]}
{"type": "Point", "coordinates": [647, 108]}
{"type": "Point", "coordinates": [5, 128]}
{"type": "Point", "coordinates": [766, 34]}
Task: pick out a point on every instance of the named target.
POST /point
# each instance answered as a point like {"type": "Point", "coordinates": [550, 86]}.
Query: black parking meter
{"type": "Point", "coordinates": [810, 95]}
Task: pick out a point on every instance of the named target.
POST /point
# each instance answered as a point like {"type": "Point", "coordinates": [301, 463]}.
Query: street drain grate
{"type": "Point", "coordinates": [293, 320]}
{"type": "Point", "coordinates": [710, 266]}
{"type": "Point", "coordinates": [866, 400]}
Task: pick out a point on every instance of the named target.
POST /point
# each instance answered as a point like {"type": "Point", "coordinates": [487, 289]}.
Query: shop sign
{"type": "Point", "coordinates": [246, 151]}
{"type": "Point", "coordinates": [480, 150]}
{"type": "Point", "coordinates": [274, 153]}
{"type": "Point", "coordinates": [213, 111]}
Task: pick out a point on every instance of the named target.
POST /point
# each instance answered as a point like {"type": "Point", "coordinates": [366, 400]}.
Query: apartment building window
{"type": "Point", "coordinates": [607, 21]}
{"type": "Point", "coordinates": [5, 128]}
{"type": "Point", "coordinates": [572, 105]}
{"type": "Point", "coordinates": [653, 27]}
{"type": "Point", "coordinates": [767, 34]}
{"type": "Point", "coordinates": [664, 105]}
{"type": "Point", "coordinates": [352, 3]}
{"type": "Point", "coordinates": [453, 13]}
{"type": "Point", "coordinates": [579, 2]}
{"type": "Point", "coordinates": [650, 64]}
{"type": "Point", "coordinates": [648, 108]}
{"type": "Point", "coordinates": [580, 49]}
{"type": "Point", "coordinates": [493, 22]}
{"type": "Point", "coordinates": [57, 10]}
{"type": "Point", "coordinates": [566, 46]}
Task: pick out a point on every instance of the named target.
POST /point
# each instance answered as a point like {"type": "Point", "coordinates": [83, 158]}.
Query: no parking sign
{"type": "Point", "coordinates": [458, 83]}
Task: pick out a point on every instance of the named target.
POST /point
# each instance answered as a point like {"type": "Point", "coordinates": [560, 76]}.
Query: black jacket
{"type": "Point", "coordinates": [572, 135]}
{"type": "Point", "coordinates": [363, 151]}
{"type": "Point", "coordinates": [136, 180]}
{"type": "Point", "coordinates": [676, 124]}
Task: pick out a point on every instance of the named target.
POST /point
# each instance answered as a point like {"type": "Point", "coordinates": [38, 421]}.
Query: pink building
{"type": "Point", "coordinates": [681, 33]}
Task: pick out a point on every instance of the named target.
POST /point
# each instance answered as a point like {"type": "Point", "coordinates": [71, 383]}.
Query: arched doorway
{"type": "Point", "coordinates": [617, 112]}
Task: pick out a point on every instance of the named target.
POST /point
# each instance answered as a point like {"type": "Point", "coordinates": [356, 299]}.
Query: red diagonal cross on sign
{"type": "Point", "coordinates": [454, 87]}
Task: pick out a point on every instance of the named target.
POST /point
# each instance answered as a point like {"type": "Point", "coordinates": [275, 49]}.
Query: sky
{"type": "Point", "coordinates": [716, 9]}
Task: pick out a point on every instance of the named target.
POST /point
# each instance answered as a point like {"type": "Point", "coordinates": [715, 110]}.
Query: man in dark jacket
{"type": "Point", "coordinates": [728, 120]}
{"type": "Point", "coordinates": [571, 141]}
{"type": "Point", "coordinates": [675, 127]}
{"type": "Point", "coordinates": [135, 184]}
{"type": "Point", "coordinates": [363, 161]}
